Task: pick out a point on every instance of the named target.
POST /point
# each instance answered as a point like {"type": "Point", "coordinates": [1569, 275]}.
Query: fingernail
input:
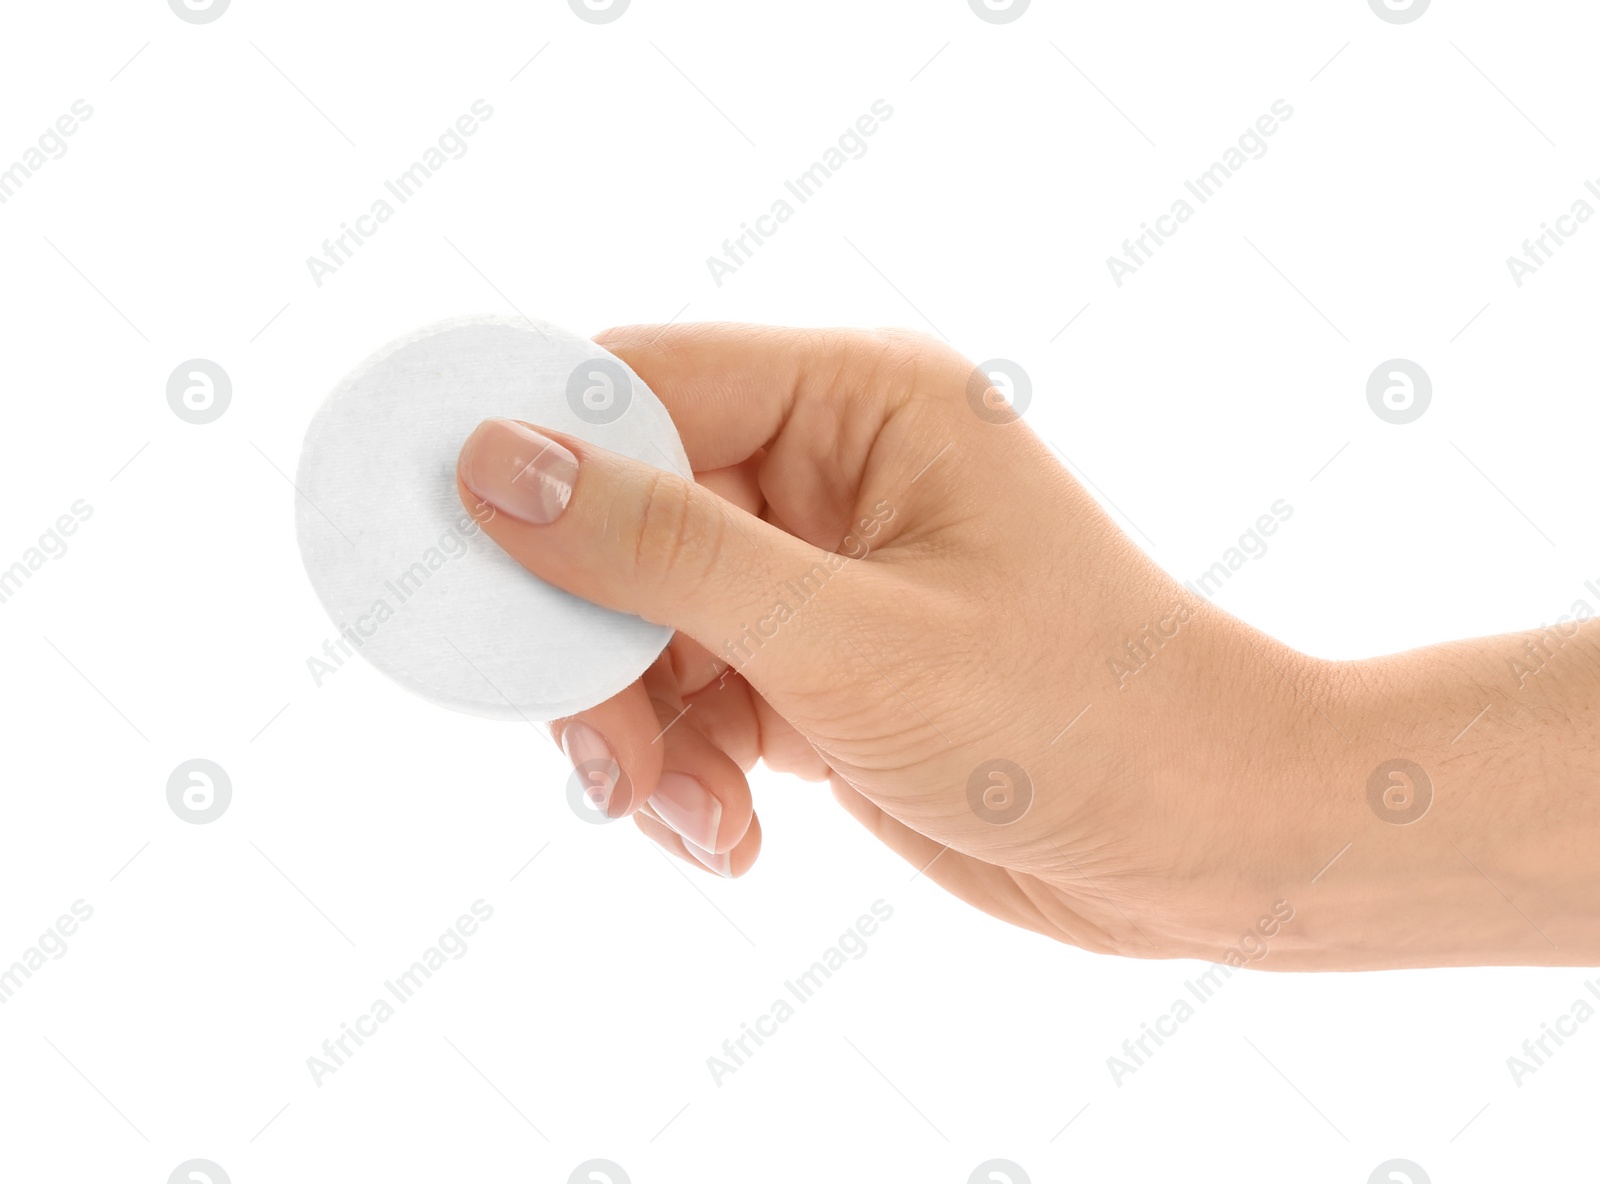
{"type": "Point", "coordinates": [689, 808]}
{"type": "Point", "coordinates": [721, 864]}
{"type": "Point", "coordinates": [518, 471]}
{"type": "Point", "coordinates": [591, 756]}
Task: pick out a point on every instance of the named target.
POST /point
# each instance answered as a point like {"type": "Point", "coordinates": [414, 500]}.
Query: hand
{"type": "Point", "coordinates": [880, 577]}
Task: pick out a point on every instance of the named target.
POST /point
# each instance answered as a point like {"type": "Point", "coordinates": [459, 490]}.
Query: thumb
{"type": "Point", "coordinates": [627, 535]}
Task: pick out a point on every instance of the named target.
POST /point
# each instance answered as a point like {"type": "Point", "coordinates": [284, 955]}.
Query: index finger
{"type": "Point", "coordinates": [732, 388]}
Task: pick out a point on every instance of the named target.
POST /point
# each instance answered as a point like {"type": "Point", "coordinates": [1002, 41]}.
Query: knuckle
{"type": "Point", "coordinates": [674, 544]}
{"type": "Point", "coordinates": [909, 363]}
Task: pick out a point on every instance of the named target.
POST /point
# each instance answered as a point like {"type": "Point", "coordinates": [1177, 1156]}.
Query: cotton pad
{"type": "Point", "coordinates": [412, 582]}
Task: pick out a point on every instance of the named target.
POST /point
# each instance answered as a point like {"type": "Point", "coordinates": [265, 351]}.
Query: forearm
{"type": "Point", "coordinates": [1502, 865]}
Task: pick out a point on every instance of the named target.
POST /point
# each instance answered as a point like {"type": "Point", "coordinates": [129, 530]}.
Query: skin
{"type": "Point", "coordinates": [1212, 804]}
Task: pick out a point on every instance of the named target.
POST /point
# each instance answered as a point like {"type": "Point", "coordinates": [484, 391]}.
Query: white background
{"type": "Point", "coordinates": [1228, 373]}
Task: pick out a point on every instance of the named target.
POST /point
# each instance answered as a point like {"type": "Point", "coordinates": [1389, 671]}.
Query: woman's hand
{"type": "Point", "coordinates": [882, 578]}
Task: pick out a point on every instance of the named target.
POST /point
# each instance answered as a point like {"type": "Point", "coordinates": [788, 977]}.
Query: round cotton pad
{"type": "Point", "coordinates": [406, 572]}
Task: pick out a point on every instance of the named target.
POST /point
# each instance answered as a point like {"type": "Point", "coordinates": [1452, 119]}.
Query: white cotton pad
{"type": "Point", "coordinates": [410, 579]}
